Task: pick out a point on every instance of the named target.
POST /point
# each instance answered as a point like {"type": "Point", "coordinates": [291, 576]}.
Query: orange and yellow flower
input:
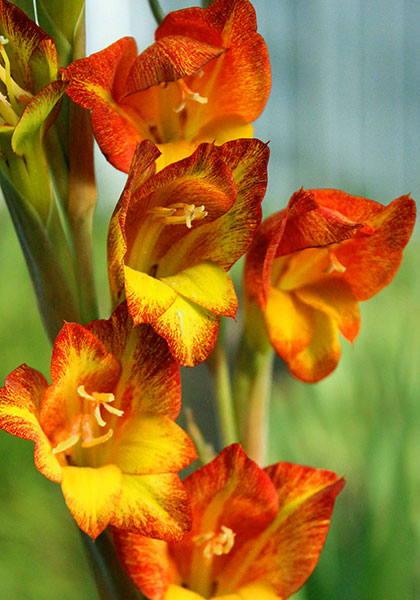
{"type": "Point", "coordinates": [311, 264]}
{"type": "Point", "coordinates": [175, 234]}
{"type": "Point", "coordinates": [105, 427]}
{"type": "Point", "coordinates": [205, 79]}
{"type": "Point", "coordinates": [256, 534]}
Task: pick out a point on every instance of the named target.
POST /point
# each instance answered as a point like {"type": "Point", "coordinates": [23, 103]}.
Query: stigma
{"type": "Point", "coordinates": [187, 94]}
{"type": "Point", "coordinates": [334, 264]}
{"type": "Point", "coordinates": [216, 544]}
{"type": "Point", "coordinates": [179, 213]}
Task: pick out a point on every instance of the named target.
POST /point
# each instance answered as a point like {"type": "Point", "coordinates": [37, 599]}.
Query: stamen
{"type": "Point", "coordinates": [100, 399]}
{"type": "Point", "coordinates": [187, 94]}
{"type": "Point", "coordinates": [170, 214]}
{"type": "Point", "coordinates": [335, 264]}
{"type": "Point", "coordinates": [6, 111]}
{"type": "Point", "coordinates": [66, 444]}
{"type": "Point", "coordinates": [216, 544]}
{"type": "Point", "coordinates": [89, 443]}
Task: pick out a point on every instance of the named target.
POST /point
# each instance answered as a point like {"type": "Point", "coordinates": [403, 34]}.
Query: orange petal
{"type": "Point", "coordinates": [149, 381]}
{"type": "Point", "coordinates": [97, 83]}
{"type": "Point", "coordinates": [232, 84]}
{"type": "Point", "coordinates": [78, 358]}
{"type": "Point", "coordinates": [169, 59]}
{"type": "Point", "coordinates": [190, 331]}
{"type": "Point", "coordinates": [92, 496]}
{"type": "Point", "coordinates": [154, 505]}
{"type": "Point", "coordinates": [20, 399]}
{"type": "Point", "coordinates": [231, 491]}
{"type": "Point", "coordinates": [285, 554]}
{"type": "Point", "coordinates": [148, 444]}
{"type": "Point", "coordinates": [146, 561]}
{"type": "Point", "coordinates": [334, 297]}
{"type": "Point", "coordinates": [322, 354]}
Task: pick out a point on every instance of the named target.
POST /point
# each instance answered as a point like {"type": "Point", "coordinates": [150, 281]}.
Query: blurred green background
{"type": "Point", "coordinates": [344, 113]}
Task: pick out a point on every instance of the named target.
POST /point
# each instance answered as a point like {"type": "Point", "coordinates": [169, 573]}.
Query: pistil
{"type": "Point", "coordinates": [179, 213]}
{"type": "Point", "coordinates": [216, 544]}
{"type": "Point", "coordinates": [187, 94]}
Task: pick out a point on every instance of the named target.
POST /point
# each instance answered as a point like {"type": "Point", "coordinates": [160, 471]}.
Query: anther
{"type": "Point", "coordinates": [179, 213]}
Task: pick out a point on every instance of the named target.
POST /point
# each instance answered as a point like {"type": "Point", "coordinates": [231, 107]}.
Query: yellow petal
{"type": "Point", "coordinates": [208, 285]}
{"type": "Point", "coordinates": [191, 331]}
{"type": "Point", "coordinates": [152, 444]}
{"type": "Point", "coordinates": [92, 496]}
{"type": "Point", "coordinates": [254, 591]}
{"type": "Point", "coordinates": [322, 354]}
{"type": "Point", "coordinates": [154, 505]}
{"type": "Point", "coordinates": [289, 323]}
{"type": "Point", "coordinates": [175, 592]}
{"type": "Point", "coordinates": [147, 297]}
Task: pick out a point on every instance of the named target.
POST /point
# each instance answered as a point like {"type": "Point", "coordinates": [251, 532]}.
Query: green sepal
{"type": "Point", "coordinates": [54, 296]}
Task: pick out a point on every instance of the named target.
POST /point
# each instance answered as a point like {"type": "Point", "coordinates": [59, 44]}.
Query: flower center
{"type": "Point", "coordinates": [11, 104]}
{"type": "Point", "coordinates": [334, 263]}
{"type": "Point", "coordinates": [188, 94]}
{"type": "Point", "coordinates": [179, 213]}
{"type": "Point", "coordinates": [83, 425]}
{"type": "Point", "coordinates": [216, 544]}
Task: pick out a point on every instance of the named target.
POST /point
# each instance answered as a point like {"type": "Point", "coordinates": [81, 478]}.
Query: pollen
{"type": "Point", "coordinates": [179, 213]}
{"type": "Point", "coordinates": [216, 544]}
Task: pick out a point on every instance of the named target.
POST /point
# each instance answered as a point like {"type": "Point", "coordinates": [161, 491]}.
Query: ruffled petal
{"type": "Point", "coordinates": [169, 59]}
{"type": "Point", "coordinates": [147, 562]}
{"type": "Point", "coordinates": [149, 444]}
{"type": "Point", "coordinates": [20, 399]}
{"type": "Point", "coordinates": [285, 554]}
{"type": "Point", "coordinates": [290, 323]}
{"type": "Point", "coordinates": [322, 354]}
{"type": "Point", "coordinates": [231, 491]}
{"type": "Point", "coordinates": [155, 506]}
{"type": "Point", "coordinates": [190, 331]}
{"type": "Point", "coordinates": [92, 496]}
{"type": "Point", "coordinates": [149, 382]}
{"type": "Point", "coordinates": [334, 297]}
{"type": "Point", "coordinates": [208, 285]}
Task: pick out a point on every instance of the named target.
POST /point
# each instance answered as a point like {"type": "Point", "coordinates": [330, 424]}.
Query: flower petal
{"type": "Point", "coordinates": [169, 59]}
{"type": "Point", "coordinates": [250, 592]}
{"type": "Point", "coordinates": [224, 240]}
{"type": "Point", "coordinates": [92, 496]}
{"type": "Point", "coordinates": [78, 358]}
{"type": "Point", "coordinates": [241, 76]}
{"type": "Point", "coordinates": [149, 382]}
{"type": "Point", "coordinates": [20, 399]}
{"type": "Point", "coordinates": [285, 554]}
{"type": "Point", "coordinates": [147, 297]}
{"type": "Point", "coordinates": [190, 331]}
{"type": "Point", "coordinates": [208, 285]}
{"type": "Point", "coordinates": [334, 297]}
{"type": "Point", "coordinates": [148, 444]}
{"type": "Point", "coordinates": [97, 83]}
{"type": "Point", "coordinates": [322, 354]}
{"type": "Point", "coordinates": [289, 323]}
{"type": "Point", "coordinates": [175, 592]}
{"type": "Point", "coordinates": [231, 491]}
{"type": "Point", "coordinates": [154, 505]}
{"type": "Point", "coordinates": [146, 561]}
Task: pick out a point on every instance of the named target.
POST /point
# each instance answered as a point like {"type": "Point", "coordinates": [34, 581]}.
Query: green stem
{"type": "Point", "coordinates": [219, 367]}
{"type": "Point", "coordinates": [157, 11]}
{"type": "Point", "coordinates": [252, 391]}
{"type": "Point", "coordinates": [111, 580]}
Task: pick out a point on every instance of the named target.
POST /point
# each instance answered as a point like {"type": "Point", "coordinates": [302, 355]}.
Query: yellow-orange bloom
{"type": "Point", "coordinates": [256, 534]}
{"type": "Point", "coordinates": [311, 264]}
{"type": "Point", "coordinates": [175, 234]}
{"type": "Point", "coordinates": [105, 427]}
{"type": "Point", "coordinates": [205, 79]}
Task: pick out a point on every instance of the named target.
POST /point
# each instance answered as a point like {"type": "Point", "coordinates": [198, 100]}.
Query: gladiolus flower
{"type": "Point", "coordinates": [311, 264]}
{"type": "Point", "coordinates": [105, 427]}
{"type": "Point", "coordinates": [256, 534]}
{"type": "Point", "coordinates": [205, 79]}
{"type": "Point", "coordinates": [173, 236]}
